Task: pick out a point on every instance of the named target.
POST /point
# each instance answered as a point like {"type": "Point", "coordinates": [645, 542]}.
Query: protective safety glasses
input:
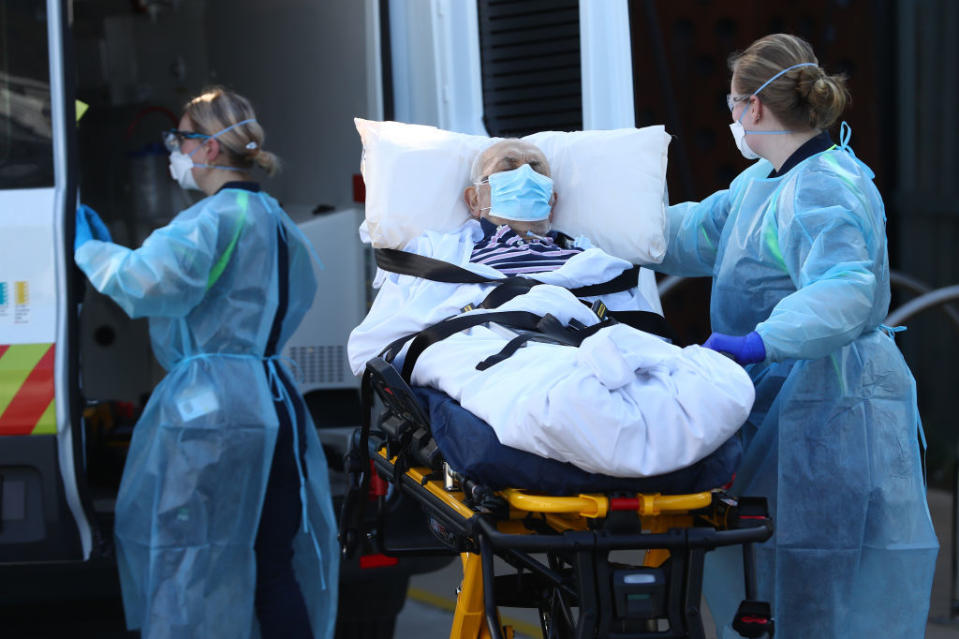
{"type": "Point", "coordinates": [731, 100]}
{"type": "Point", "coordinates": [173, 138]}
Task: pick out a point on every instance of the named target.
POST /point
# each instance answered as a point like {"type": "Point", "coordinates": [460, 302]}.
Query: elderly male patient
{"type": "Point", "coordinates": [623, 403]}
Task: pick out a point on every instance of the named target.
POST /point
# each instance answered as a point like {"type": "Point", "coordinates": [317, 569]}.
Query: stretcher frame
{"type": "Point", "coordinates": [398, 469]}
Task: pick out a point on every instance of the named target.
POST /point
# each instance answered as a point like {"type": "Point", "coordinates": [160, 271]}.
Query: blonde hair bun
{"type": "Point", "coordinates": [803, 97]}
{"type": "Point", "coordinates": [217, 109]}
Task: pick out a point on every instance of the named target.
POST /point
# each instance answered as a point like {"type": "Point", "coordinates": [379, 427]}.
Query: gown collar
{"type": "Point", "coordinates": [809, 148]}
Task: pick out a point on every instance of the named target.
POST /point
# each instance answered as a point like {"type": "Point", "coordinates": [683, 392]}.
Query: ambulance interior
{"type": "Point", "coordinates": [304, 67]}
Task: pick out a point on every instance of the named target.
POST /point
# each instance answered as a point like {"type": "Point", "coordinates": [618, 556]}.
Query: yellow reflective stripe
{"type": "Point", "coordinates": [47, 424]}
{"type": "Point", "coordinates": [15, 366]}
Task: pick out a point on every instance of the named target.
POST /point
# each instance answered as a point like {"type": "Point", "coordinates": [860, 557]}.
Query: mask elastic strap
{"type": "Point", "coordinates": [216, 135]}
{"type": "Point", "coordinates": [766, 84]}
{"type": "Point", "coordinates": [786, 70]}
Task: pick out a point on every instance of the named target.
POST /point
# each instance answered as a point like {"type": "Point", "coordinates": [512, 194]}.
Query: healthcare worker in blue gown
{"type": "Point", "coordinates": [796, 247]}
{"type": "Point", "coordinates": [224, 523]}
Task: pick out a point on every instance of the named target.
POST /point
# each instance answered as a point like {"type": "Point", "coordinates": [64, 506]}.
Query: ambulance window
{"type": "Point", "coordinates": [26, 141]}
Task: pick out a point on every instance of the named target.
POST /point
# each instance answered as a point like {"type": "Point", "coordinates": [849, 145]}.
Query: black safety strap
{"type": "Point", "coordinates": [646, 321]}
{"type": "Point", "coordinates": [406, 263]}
{"type": "Point", "coordinates": [511, 347]}
{"type": "Point", "coordinates": [522, 320]}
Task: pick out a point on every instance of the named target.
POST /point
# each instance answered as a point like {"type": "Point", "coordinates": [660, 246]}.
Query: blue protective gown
{"type": "Point", "coordinates": [833, 440]}
{"type": "Point", "coordinates": [189, 502]}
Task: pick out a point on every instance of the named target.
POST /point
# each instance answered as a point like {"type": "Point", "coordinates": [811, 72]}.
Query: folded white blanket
{"type": "Point", "coordinates": [624, 403]}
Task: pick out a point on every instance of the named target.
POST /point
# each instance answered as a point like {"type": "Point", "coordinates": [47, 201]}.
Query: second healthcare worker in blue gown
{"type": "Point", "coordinates": [796, 247]}
{"type": "Point", "coordinates": [224, 524]}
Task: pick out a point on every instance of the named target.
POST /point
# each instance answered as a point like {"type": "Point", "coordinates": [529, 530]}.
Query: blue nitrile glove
{"type": "Point", "coordinates": [89, 227]}
{"type": "Point", "coordinates": [746, 349]}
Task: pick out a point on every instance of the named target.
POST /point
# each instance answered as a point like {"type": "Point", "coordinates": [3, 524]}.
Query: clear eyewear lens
{"type": "Point", "coordinates": [171, 141]}
{"type": "Point", "coordinates": [173, 138]}
{"type": "Point", "coordinates": [731, 100]}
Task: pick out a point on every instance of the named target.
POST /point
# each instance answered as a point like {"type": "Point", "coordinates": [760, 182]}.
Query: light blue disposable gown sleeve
{"type": "Point", "coordinates": [166, 277]}
{"type": "Point", "coordinates": [828, 246]}
{"type": "Point", "coordinates": [694, 230]}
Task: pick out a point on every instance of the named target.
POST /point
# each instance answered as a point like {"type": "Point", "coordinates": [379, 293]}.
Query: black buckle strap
{"type": "Point", "coordinates": [646, 321]}
{"type": "Point", "coordinates": [424, 339]}
{"type": "Point", "coordinates": [551, 331]}
{"type": "Point", "coordinates": [623, 282]}
{"type": "Point", "coordinates": [509, 288]}
{"type": "Point", "coordinates": [406, 263]}
{"type": "Point", "coordinates": [511, 347]}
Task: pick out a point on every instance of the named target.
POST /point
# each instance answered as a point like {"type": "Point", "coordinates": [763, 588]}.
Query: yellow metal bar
{"type": "Point", "coordinates": [598, 505]}
{"type": "Point", "coordinates": [454, 500]}
{"type": "Point", "coordinates": [585, 505]}
{"type": "Point", "coordinates": [469, 619]}
{"type": "Point", "coordinates": [656, 504]}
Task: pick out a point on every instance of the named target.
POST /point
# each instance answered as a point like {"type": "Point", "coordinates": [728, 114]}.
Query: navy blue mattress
{"type": "Point", "coordinates": [472, 449]}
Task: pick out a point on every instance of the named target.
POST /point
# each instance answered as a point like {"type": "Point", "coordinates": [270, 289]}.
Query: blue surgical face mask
{"type": "Point", "coordinates": [739, 133]}
{"type": "Point", "coordinates": [520, 195]}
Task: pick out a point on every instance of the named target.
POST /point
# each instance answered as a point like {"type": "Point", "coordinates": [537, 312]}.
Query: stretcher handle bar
{"type": "Point", "coordinates": [598, 505]}
{"type": "Point", "coordinates": [676, 539]}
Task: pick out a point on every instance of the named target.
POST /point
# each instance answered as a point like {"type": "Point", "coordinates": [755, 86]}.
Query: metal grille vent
{"type": "Point", "coordinates": [320, 364]}
{"type": "Point", "coordinates": [529, 51]}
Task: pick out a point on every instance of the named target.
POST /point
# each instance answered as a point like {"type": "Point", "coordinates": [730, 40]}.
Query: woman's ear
{"type": "Point", "coordinates": [213, 150]}
{"type": "Point", "coordinates": [552, 205]}
{"type": "Point", "coordinates": [757, 111]}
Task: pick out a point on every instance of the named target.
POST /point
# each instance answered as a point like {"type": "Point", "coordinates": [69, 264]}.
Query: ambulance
{"type": "Point", "coordinates": [85, 90]}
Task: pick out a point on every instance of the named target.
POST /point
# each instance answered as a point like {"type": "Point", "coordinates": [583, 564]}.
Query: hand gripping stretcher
{"type": "Point", "coordinates": [569, 555]}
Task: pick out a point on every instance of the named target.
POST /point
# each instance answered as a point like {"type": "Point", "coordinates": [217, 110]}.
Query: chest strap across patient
{"type": "Point", "coordinates": [406, 263]}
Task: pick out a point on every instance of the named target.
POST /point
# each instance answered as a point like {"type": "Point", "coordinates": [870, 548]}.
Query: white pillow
{"type": "Point", "coordinates": [610, 184]}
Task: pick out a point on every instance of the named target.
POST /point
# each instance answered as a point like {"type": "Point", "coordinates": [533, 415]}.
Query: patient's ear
{"type": "Point", "coordinates": [552, 205]}
{"type": "Point", "coordinates": [471, 197]}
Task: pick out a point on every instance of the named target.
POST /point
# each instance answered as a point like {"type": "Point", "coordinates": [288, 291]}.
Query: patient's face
{"type": "Point", "coordinates": [506, 156]}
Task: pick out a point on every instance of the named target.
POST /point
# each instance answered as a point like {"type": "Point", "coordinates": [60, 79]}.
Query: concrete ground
{"type": "Point", "coordinates": [428, 609]}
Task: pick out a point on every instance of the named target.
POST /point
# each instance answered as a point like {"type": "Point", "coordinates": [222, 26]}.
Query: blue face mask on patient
{"type": "Point", "coordinates": [521, 195]}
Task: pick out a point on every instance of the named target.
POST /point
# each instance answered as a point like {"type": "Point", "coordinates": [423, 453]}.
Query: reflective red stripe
{"type": "Point", "coordinates": [32, 400]}
{"type": "Point", "coordinates": [759, 620]}
{"type": "Point", "coordinates": [377, 561]}
{"type": "Point", "coordinates": [752, 516]}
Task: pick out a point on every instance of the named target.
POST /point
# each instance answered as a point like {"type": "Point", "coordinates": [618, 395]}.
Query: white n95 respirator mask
{"type": "Point", "coordinates": [739, 135]}
{"type": "Point", "coordinates": [181, 170]}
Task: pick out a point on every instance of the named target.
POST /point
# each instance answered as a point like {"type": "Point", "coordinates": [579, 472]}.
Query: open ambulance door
{"type": "Point", "coordinates": [42, 513]}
